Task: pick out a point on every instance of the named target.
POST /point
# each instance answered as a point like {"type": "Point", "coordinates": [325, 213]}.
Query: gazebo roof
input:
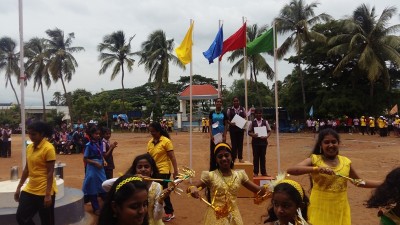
{"type": "Point", "coordinates": [204, 91]}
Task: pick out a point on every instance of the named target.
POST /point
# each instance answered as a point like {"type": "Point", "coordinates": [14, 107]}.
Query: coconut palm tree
{"type": "Point", "coordinates": [296, 19]}
{"type": "Point", "coordinates": [256, 62]}
{"type": "Point", "coordinates": [36, 66]}
{"type": "Point", "coordinates": [62, 63]}
{"type": "Point", "coordinates": [156, 54]}
{"type": "Point", "coordinates": [116, 50]}
{"type": "Point", "coordinates": [58, 97]}
{"type": "Point", "coordinates": [368, 43]}
{"type": "Point", "coordinates": [9, 60]}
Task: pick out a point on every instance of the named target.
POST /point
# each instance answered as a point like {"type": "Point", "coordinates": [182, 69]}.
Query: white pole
{"type": "Point", "coordinates": [245, 91]}
{"type": "Point", "coordinates": [278, 150]}
{"type": "Point", "coordinates": [191, 105]}
{"type": "Point", "coordinates": [22, 81]}
{"type": "Point", "coordinates": [219, 68]}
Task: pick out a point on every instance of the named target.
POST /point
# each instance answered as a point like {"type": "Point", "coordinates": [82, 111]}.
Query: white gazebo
{"type": "Point", "coordinates": [199, 92]}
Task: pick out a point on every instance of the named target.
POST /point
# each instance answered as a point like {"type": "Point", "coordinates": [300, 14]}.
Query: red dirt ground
{"type": "Point", "coordinates": [372, 156]}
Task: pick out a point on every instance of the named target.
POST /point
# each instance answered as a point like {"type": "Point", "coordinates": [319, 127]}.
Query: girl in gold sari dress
{"type": "Point", "coordinates": [224, 184]}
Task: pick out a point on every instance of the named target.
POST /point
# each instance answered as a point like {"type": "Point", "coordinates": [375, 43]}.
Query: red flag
{"type": "Point", "coordinates": [236, 41]}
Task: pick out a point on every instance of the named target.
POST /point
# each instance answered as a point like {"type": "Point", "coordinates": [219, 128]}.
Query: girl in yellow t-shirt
{"type": "Point", "coordinates": [39, 194]}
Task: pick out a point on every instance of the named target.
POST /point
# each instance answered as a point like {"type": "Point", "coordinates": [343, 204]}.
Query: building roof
{"type": "Point", "coordinates": [204, 91]}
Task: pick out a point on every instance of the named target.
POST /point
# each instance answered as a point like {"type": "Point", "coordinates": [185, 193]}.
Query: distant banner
{"type": "Point", "coordinates": [394, 110]}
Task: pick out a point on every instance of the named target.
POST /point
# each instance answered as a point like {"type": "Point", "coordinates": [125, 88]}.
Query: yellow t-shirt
{"type": "Point", "coordinates": [36, 160]}
{"type": "Point", "coordinates": [159, 152]}
{"type": "Point", "coordinates": [371, 123]}
{"type": "Point", "coordinates": [363, 122]}
{"type": "Point", "coordinates": [381, 123]}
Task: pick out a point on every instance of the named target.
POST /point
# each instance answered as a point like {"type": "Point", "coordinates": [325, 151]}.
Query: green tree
{"type": "Point", "coordinates": [62, 63]}
{"type": "Point", "coordinates": [58, 98]}
{"type": "Point", "coordinates": [237, 90]}
{"type": "Point", "coordinates": [296, 19]}
{"type": "Point", "coordinates": [256, 62]}
{"type": "Point", "coordinates": [184, 81]}
{"type": "Point", "coordinates": [156, 54]}
{"type": "Point", "coordinates": [36, 66]}
{"type": "Point", "coordinates": [116, 50]}
{"type": "Point", "coordinates": [9, 60]}
{"type": "Point", "coordinates": [334, 96]}
{"type": "Point", "coordinates": [367, 44]}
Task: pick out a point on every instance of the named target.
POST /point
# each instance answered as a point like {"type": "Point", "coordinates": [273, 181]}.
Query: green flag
{"type": "Point", "coordinates": [263, 43]}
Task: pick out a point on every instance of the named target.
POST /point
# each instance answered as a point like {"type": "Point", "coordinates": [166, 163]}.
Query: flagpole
{"type": "Point", "coordinates": [22, 81]}
{"type": "Point", "coordinates": [191, 105]}
{"type": "Point", "coordinates": [278, 150]}
{"type": "Point", "coordinates": [245, 90]}
{"type": "Point", "coordinates": [219, 68]}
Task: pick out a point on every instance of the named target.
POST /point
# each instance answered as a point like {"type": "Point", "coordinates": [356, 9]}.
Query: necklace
{"type": "Point", "coordinates": [228, 182]}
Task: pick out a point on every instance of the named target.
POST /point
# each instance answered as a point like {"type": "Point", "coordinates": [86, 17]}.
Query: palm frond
{"type": "Point", "coordinates": [286, 45]}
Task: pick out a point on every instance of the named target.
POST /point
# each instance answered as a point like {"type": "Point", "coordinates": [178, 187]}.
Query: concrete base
{"type": "Point", "coordinates": [68, 210]}
{"type": "Point", "coordinates": [8, 187]}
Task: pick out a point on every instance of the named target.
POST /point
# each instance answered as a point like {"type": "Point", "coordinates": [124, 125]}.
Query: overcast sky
{"type": "Point", "coordinates": [91, 20]}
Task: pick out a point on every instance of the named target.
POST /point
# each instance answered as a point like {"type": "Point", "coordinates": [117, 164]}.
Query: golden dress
{"type": "Point", "coordinates": [224, 193]}
{"type": "Point", "coordinates": [155, 209]}
{"type": "Point", "coordinates": [329, 204]}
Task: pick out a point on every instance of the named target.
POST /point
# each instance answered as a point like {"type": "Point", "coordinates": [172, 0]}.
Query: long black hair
{"type": "Point", "coordinates": [324, 132]}
{"type": "Point", "coordinates": [41, 127]}
{"type": "Point", "coordinates": [158, 128]}
{"type": "Point", "coordinates": [388, 192]}
{"type": "Point", "coordinates": [294, 195]}
{"type": "Point", "coordinates": [125, 191]}
{"type": "Point", "coordinates": [146, 156]}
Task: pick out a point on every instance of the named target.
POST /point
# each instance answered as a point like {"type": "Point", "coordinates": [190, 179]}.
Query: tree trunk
{"type": "Point", "coordinates": [123, 87]}
{"type": "Point", "coordinates": [257, 90]}
{"type": "Point", "coordinates": [15, 93]}
{"type": "Point", "coordinates": [371, 89]}
{"type": "Point", "coordinates": [301, 80]}
{"type": "Point", "coordinates": [43, 103]}
{"type": "Point", "coordinates": [68, 99]}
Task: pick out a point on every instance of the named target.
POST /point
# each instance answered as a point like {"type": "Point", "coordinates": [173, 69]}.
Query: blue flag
{"type": "Point", "coordinates": [216, 47]}
{"type": "Point", "coordinates": [311, 113]}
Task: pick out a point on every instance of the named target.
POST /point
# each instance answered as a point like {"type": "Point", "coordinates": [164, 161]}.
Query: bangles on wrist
{"type": "Point", "coordinates": [189, 189]}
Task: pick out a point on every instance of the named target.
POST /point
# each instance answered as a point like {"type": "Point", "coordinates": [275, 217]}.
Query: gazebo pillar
{"type": "Point", "coordinates": [179, 120]}
{"type": "Point", "coordinates": [182, 108]}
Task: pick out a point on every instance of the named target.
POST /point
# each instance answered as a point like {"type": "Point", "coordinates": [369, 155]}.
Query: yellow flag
{"type": "Point", "coordinates": [184, 51]}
